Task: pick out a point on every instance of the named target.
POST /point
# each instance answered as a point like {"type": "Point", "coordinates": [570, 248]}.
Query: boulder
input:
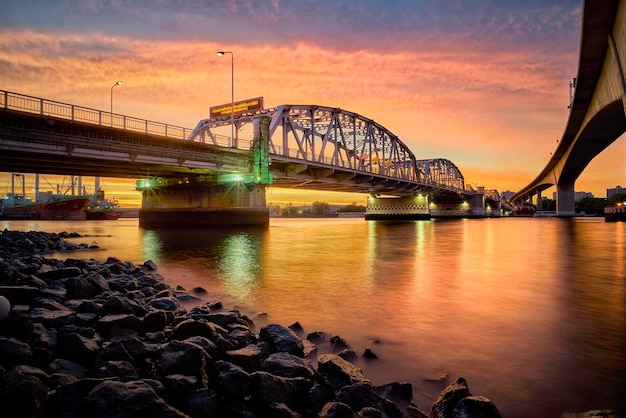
{"type": "Point", "coordinates": [288, 365]}
{"type": "Point", "coordinates": [135, 399]}
{"type": "Point", "coordinates": [475, 406]}
{"type": "Point", "coordinates": [282, 339]}
{"type": "Point", "coordinates": [361, 395]}
{"type": "Point", "coordinates": [266, 388]}
{"type": "Point", "coordinates": [448, 398]}
{"type": "Point", "coordinates": [335, 372]}
{"type": "Point", "coordinates": [233, 379]}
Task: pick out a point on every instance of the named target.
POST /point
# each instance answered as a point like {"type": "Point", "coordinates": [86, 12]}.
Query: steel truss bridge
{"type": "Point", "coordinates": [326, 148]}
{"type": "Point", "coordinates": [310, 147]}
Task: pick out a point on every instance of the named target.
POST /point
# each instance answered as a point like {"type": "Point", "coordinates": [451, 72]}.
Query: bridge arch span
{"type": "Point", "coordinates": [332, 139]}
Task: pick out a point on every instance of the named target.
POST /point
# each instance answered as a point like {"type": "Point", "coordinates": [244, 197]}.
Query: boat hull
{"type": "Point", "coordinates": [66, 209]}
{"type": "Point", "coordinates": [103, 215]}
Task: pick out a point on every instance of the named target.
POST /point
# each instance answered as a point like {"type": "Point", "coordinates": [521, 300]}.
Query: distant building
{"type": "Point", "coordinates": [616, 190]}
{"type": "Point", "coordinates": [578, 196]}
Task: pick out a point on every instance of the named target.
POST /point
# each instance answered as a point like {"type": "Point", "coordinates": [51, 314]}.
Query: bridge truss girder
{"type": "Point", "coordinates": [339, 145]}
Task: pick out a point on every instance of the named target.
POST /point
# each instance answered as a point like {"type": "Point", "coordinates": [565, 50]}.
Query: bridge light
{"type": "Point", "coordinates": [237, 177]}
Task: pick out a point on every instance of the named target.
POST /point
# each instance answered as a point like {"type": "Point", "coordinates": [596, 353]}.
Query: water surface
{"type": "Point", "coordinates": [531, 312]}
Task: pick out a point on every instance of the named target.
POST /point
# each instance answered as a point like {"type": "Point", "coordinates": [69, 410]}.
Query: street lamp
{"type": "Point", "coordinates": [232, 92]}
{"type": "Point", "coordinates": [116, 84]}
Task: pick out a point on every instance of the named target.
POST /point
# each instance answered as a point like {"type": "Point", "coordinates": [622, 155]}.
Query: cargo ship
{"type": "Point", "coordinates": [98, 208]}
{"type": "Point", "coordinates": [54, 207]}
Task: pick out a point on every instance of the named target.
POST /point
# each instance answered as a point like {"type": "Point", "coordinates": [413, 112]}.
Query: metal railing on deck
{"type": "Point", "coordinates": [44, 107]}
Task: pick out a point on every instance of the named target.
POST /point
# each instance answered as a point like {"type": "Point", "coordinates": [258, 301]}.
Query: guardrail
{"type": "Point", "coordinates": [44, 107]}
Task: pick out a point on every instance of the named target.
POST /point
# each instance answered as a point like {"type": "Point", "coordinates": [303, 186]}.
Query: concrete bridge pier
{"type": "Point", "coordinates": [477, 205]}
{"type": "Point", "coordinates": [221, 199]}
{"type": "Point", "coordinates": [397, 208]}
{"type": "Point", "coordinates": [221, 204]}
{"type": "Point", "coordinates": [565, 205]}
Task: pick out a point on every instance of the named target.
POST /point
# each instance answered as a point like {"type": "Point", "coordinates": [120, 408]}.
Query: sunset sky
{"type": "Point", "coordinates": [482, 83]}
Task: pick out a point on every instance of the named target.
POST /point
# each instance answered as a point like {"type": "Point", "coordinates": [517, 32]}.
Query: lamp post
{"type": "Point", "coordinates": [232, 93]}
{"type": "Point", "coordinates": [116, 84]}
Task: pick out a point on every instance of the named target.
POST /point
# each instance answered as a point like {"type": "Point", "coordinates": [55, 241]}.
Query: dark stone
{"type": "Point", "coordinates": [292, 391]}
{"type": "Point", "coordinates": [369, 354]}
{"type": "Point", "coordinates": [122, 370]}
{"type": "Point", "coordinates": [319, 395]}
{"type": "Point", "coordinates": [54, 319]}
{"type": "Point", "coordinates": [288, 365]}
{"type": "Point", "coordinates": [25, 397]}
{"type": "Point", "coordinates": [233, 379]}
{"type": "Point", "coordinates": [178, 388]}
{"type": "Point", "coordinates": [166, 304]}
{"type": "Point", "coordinates": [61, 273]}
{"type": "Point", "coordinates": [348, 355]}
{"type": "Point", "coordinates": [448, 398]}
{"type": "Point", "coordinates": [360, 395]}
{"type": "Point", "coordinates": [249, 358]}
{"type": "Point", "coordinates": [336, 372]}
{"type": "Point", "coordinates": [336, 410]}
{"type": "Point", "coordinates": [63, 366]}
{"type": "Point", "coordinates": [395, 391]}
{"type": "Point", "coordinates": [191, 328]}
{"type": "Point", "coordinates": [122, 305]}
{"type": "Point", "coordinates": [154, 321]}
{"type": "Point", "coordinates": [282, 339]}
{"type": "Point", "coordinates": [203, 403]}
{"type": "Point", "coordinates": [14, 352]}
{"type": "Point", "coordinates": [181, 357]}
{"type": "Point", "coordinates": [75, 347]}
{"type": "Point", "coordinates": [338, 342]}
{"type": "Point", "coordinates": [129, 400]}
{"type": "Point", "coordinates": [81, 288]}
{"type": "Point", "coordinates": [108, 323]}
{"type": "Point", "coordinates": [475, 407]}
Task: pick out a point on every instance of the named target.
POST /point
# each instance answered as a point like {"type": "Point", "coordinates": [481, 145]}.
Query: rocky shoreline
{"type": "Point", "coordinates": [89, 338]}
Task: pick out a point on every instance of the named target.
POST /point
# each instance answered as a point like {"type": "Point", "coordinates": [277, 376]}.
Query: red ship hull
{"type": "Point", "coordinates": [71, 208]}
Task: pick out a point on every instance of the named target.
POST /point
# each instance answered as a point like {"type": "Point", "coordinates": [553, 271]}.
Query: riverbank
{"type": "Point", "coordinates": [110, 338]}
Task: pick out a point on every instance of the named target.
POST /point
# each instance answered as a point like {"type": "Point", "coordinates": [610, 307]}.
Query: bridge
{"type": "Point", "coordinates": [197, 175]}
{"type": "Point", "coordinates": [598, 109]}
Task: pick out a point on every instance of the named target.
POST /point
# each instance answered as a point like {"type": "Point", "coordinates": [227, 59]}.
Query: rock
{"type": "Point", "coordinates": [288, 365]}
{"type": "Point", "coordinates": [181, 357]}
{"type": "Point", "coordinates": [282, 339]}
{"type": "Point", "coordinates": [203, 403]}
{"type": "Point", "coordinates": [14, 352]}
{"type": "Point", "coordinates": [335, 372]}
{"type": "Point", "coordinates": [475, 406]}
{"type": "Point", "coordinates": [165, 304]}
{"type": "Point", "coordinates": [336, 410]}
{"type": "Point", "coordinates": [395, 391]}
{"type": "Point", "coordinates": [360, 395]}
{"type": "Point", "coordinates": [75, 347]}
{"type": "Point", "coordinates": [24, 397]}
{"type": "Point", "coordinates": [248, 358]}
{"type": "Point", "coordinates": [191, 328]}
{"type": "Point", "coordinates": [129, 400]}
{"type": "Point", "coordinates": [449, 397]}
{"type": "Point", "coordinates": [233, 379]}
{"type": "Point", "coordinates": [266, 388]}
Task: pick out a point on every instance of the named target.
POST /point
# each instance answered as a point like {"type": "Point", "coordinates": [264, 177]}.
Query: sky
{"type": "Point", "coordinates": [483, 83]}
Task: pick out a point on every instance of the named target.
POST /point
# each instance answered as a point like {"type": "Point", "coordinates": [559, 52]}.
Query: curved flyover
{"type": "Point", "coordinates": [598, 111]}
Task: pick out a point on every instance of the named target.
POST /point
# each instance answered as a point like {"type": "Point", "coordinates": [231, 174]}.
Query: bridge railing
{"type": "Point", "coordinates": [44, 107]}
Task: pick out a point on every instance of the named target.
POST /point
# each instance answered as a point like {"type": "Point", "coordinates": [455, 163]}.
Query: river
{"type": "Point", "coordinates": [531, 312]}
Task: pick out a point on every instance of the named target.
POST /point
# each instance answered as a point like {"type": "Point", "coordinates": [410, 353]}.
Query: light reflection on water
{"type": "Point", "coordinates": [530, 311]}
